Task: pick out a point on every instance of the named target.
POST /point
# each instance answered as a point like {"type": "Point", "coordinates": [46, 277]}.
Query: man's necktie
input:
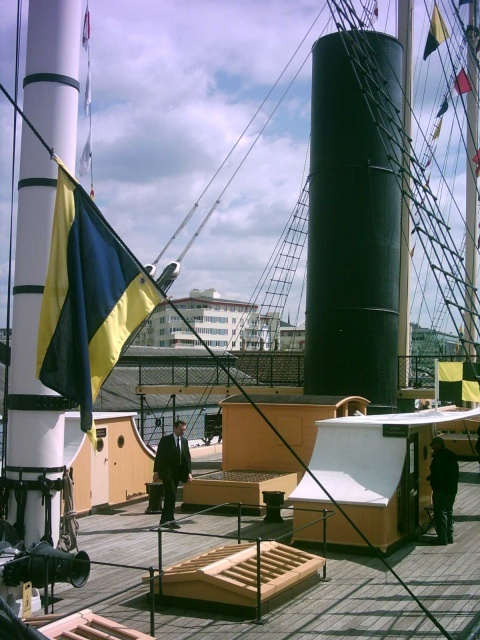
{"type": "Point", "coordinates": [179, 450]}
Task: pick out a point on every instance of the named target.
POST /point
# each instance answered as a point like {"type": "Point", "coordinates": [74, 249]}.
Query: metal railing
{"type": "Point", "coordinates": [419, 371]}
{"type": "Point", "coordinates": [324, 515]}
{"type": "Point", "coordinates": [250, 368]}
{"type": "Point", "coordinates": [156, 573]}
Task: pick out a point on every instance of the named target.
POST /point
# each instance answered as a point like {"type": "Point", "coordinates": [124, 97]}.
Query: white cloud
{"type": "Point", "coordinates": [174, 84]}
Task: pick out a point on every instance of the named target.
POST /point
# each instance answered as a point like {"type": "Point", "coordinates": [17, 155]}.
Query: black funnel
{"type": "Point", "coordinates": [351, 340]}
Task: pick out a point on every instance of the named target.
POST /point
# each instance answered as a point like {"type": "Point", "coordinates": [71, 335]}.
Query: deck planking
{"type": "Point", "coordinates": [360, 599]}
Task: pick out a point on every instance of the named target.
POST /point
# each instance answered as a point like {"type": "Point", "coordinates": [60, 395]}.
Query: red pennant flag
{"type": "Point", "coordinates": [476, 157]}
{"type": "Point", "coordinates": [462, 83]}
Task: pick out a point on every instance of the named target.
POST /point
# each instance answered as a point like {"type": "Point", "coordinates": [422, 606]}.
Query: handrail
{"type": "Point", "coordinates": [326, 513]}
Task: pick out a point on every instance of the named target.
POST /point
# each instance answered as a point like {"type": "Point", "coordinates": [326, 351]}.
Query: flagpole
{"type": "Point", "coordinates": [437, 385]}
{"type": "Point", "coordinates": [471, 231]}
{"type": "Point", "coordinates": [405, 35]}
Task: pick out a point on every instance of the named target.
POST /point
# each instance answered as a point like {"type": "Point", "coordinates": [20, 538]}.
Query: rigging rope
{"type": "Point", "coordinates": [69, 523]}
{"type": "Point", "coordinates": [308, 471]}
{"type": "Point", "coordinates": [239, 139]}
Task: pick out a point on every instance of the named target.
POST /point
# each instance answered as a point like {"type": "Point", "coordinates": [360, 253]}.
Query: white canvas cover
{"type": "Point", "coordinates": [358, 465]}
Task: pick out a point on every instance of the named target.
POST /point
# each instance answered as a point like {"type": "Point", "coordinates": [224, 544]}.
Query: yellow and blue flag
{"type": "Point", "coordinates": [437, 34]}
{"type": "Point", "coordinates": [96, 294]}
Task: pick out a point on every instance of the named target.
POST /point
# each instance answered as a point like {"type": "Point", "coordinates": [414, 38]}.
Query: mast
{"type": "Point", "coordinates": [471, 252]}
{"type": "Point", "coordinates": [405, 35]}
{"type": "Point", "coordinates": [36, 415]}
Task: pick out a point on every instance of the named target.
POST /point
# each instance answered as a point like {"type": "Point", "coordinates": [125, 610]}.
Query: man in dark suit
{"type": "Point", "coordinates": [443, 479]}
{"type": "Point", "coordinates": [172, 464]}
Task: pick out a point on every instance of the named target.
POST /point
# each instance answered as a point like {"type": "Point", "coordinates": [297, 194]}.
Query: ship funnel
{"type": "Point", "coordinates": [353, 264]}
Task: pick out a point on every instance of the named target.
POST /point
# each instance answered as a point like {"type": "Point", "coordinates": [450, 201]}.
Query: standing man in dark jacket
{"type": "Point", "coordinates": [444, 482]}
{"type": "Point", "coordinates": [172, 464]}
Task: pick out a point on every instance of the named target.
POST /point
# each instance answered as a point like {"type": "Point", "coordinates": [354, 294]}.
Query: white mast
{"type": "Point", "coordinates": [471, 252]}
{"type": "Point", "coordinates": [405, 35]}
{"type": "Point", "coordinates": [36, 416]}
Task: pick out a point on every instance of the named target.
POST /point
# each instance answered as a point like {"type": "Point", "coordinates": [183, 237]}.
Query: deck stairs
{"type": "Point", "coordinates": [86, 625]}
{"type": "Point", "coordinates": [228, 575]}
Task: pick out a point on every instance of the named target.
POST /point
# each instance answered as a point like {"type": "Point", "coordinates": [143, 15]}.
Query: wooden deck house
{"type": "Point", "coordinates": [117, 471]}
{"type": "Point", "coordinates": [250, 445]}
{"type": "Point", "coordinates": [375, 468]}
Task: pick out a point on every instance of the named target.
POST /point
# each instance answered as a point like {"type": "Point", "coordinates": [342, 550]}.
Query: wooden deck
{"type": "Point", "coordinates": [360, 599]}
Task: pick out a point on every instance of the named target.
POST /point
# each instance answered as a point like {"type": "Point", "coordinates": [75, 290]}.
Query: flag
{"type": "Point", "coordinates": [87, 101]}
{"type": "Point", "coordinates": [436, 133]}
{"type": "Point", "coordinates": [438, 33]}
{"type": "Point", "coordinates": [86, 157]}
{"type": "Point", "coordinates": [375, 13]}
{"type": "Point", "coordinates": [443, 108]}
{"type": "Point", "coordinates": [476, 157]}
{"type": "Point", "coordinates": [86, 29]}
{"type": "Point", "coordinates": [96, 294]}
{"type": "Point", "coordinates": [462, 83]}
{"type": "Point", "coordinates": [458, 381]}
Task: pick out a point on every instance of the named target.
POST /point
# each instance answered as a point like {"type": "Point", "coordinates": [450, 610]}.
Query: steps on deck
{"type": "Point", "coordinates": [228, 576]}
{"type": "Point", "coordinates": [86, 624]}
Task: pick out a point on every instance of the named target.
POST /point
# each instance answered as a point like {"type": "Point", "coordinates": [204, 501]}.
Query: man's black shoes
{"type": "Point", "coordinates": [170, 525]}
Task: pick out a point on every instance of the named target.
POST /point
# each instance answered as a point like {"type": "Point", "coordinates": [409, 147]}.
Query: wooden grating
{"type": "Point", "coordinates": [86, 625]}
{"type": "Point", "coordinates": [229, 574]}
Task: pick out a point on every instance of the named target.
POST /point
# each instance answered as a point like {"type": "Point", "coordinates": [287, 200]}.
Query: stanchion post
{"type": "Point", "coordinates": [160, 569]}
{"type": "Point", "coordinates": [239, 522]}
{"type": "Point", "coordinates": [151, 573]}
{"type": "Point", "coordinates": [258, 619]}
{"type": "Point", "coordinates": [325, 512]}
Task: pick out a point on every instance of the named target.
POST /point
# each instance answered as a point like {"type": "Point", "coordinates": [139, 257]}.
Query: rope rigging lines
{"type": "Point", "coordinates": [423, 208]}
{"type": "Point", "coordinates": [237, 143]}
{"type": "Point", "coordinates": [432, 231]}
{"type": "Point", "coordinates": [446, 174]}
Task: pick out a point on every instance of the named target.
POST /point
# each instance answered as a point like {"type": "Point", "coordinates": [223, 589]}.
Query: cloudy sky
{"type": "Point", "coordinates": [174, 85]}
